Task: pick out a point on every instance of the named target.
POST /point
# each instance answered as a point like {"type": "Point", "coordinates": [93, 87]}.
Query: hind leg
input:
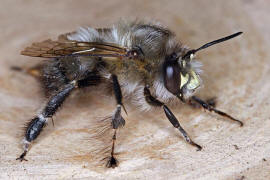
{"type": "Point", "coordinates": [60, 92]}
{"type": "Point", "coordinates": [35, 126]}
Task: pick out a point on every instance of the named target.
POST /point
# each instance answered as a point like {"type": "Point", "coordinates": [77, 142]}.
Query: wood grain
{"type": "Point", "coordinates": [236, 72]}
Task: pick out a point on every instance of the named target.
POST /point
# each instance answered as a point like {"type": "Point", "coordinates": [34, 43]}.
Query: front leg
{"type": "Point", "coordinates": [210, 101]}
{"type": "Point", "coordinates": [210, 108]}
{"type": "Point", "coordinates": [154, 102]}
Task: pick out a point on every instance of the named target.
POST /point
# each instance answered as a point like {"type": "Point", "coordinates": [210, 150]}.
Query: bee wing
{"type": "Point", "coordinates": [65, 47]}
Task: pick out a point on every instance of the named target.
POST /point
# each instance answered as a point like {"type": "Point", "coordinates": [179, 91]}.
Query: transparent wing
{"type": "Point", "coordinates": [65, 47]}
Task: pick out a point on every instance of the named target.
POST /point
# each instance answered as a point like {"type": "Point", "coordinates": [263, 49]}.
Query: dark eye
{"type": "Point", "coordinates": [172, 79]}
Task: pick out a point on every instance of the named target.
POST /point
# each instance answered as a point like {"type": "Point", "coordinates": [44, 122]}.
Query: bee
{"type": "Point", "coordinates": [138, 60]}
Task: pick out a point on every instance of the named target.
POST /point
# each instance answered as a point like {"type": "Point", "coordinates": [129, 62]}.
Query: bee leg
{"type": "Point", "coordinates": [112, 161]}
{"type": "Point", "coordinates": [212, 109]}
{"type": "Point", "coordinates": [154, 102]}
{"type": "Point", "coordinates": [35, 126]}
{"type": "Point", "coordinates": [117, 120]}
{"type": "Point", "coordinates": [118, 92]}
{"type": "Point", "coordinates": [211, 102]}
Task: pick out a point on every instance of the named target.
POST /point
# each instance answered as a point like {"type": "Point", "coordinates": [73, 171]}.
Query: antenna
{"type": "Point", "coordinates": [193, 51]}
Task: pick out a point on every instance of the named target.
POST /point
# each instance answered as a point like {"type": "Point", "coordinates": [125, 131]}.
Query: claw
{"type": "Point", "coordinates": [112, 162]}
{"type": "Point", "coordinates": [199, 148]}
{"type": "Point", "coordinates": [21, 158]}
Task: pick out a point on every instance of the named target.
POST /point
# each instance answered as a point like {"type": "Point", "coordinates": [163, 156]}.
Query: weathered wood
{"type": "Point", "coordinates": [148, 147]}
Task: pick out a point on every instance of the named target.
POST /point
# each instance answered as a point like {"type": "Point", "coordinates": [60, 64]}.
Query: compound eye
{"type": "Point", "coordinates": [172, 78]}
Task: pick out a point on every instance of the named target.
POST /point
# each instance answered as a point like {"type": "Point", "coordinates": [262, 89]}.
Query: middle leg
{"type": "Point", "coordinates": [117, 120]}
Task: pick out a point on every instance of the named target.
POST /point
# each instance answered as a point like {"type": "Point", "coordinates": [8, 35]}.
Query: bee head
{"type": "Point", "coordinates": [179, 75]}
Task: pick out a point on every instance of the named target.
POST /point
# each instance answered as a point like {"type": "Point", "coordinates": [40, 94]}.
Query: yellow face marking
{"type": "Point", "coordinates": [184, 79]}
{"type": "Point", "coordinates": [194, 82]}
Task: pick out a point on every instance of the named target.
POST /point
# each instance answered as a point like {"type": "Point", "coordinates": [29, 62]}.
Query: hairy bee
{"type": "Point", "coordinates": [142, 61]}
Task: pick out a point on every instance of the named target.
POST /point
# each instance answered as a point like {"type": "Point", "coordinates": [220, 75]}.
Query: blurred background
{"type": "Point", "coordinates": [237, 72]}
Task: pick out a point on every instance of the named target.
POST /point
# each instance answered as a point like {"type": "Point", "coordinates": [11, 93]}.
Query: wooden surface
{"type": "Point", "coordinates": [236, 72]}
